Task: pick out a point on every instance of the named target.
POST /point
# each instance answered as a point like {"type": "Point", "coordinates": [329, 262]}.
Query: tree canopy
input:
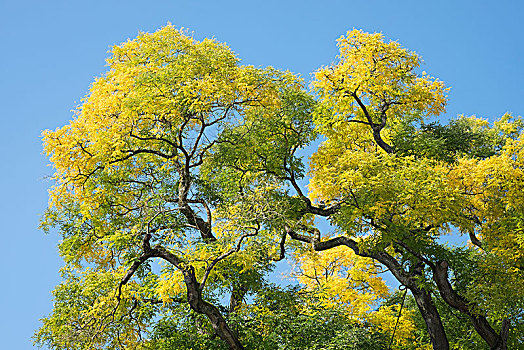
{"type": "Point", "coordinates": [181, 181]}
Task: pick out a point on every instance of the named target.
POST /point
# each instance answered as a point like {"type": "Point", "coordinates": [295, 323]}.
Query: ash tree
{"type": "Point", "coordinates": [180, 180]}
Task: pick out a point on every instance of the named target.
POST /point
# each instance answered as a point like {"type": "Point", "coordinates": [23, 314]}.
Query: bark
{"type": "Point", "coordinates": [425, 304]}
{"type": "Point", "coordinates": [193, 219]}
{"type": "Point", "coordinates": [504, 332]}
{"type": "Point", "coordinates": [381, 143]}
{"type": "Point", "coordinates": [432, 319]}
{"type": "Point", "coordinates": [494, 340]}
{"type": "Point", "coordinates": [422, 297]}
{"type": "Point", "coordinates": [194, 296]}
{"type": "Point", "coordinates": [376, 128]}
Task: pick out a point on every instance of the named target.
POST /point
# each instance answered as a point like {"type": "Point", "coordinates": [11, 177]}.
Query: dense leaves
{"type": "Point", "coordinates": [276, 319]}
{"type": "Point", "coordinates": [180, 181]}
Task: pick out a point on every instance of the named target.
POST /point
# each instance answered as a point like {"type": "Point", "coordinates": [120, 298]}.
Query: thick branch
{"type": "Point", "coordinates": [376, 128]}
{"type": "Point", "coordinates": [423, 298]}
{"type": "Point", "coordinates": [452, 298]}
{"type": "Point", "coordinates": [282, 246]}
{"type": "Point", "coordinates": [474, 239]}
{"type": "Point", "coordinates": [203, 226]}
{"type": "Point", "coordinates": [363, 108]}
{"type": "Point", "coordinates": [194, 296]}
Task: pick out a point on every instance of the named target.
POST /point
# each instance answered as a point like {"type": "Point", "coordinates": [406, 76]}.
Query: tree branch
{"type": "Point", "coordinates": [211, 266]}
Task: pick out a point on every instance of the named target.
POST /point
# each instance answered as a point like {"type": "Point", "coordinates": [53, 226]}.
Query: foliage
{"type": "Point", "coordinates": [405, 186]}
{"type": "Point", "coordinates": [277, 319]}
{"type": "Point", "coordinates": [179, 183]}
{"type": "Point", "coordinates": [340, 279]}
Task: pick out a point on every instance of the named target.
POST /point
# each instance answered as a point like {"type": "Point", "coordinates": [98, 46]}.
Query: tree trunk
{"type": "Point", "coordinates": [504, 332]}
{"type": "Point", "coordinates": [194, 297]}
{"type": "Point", "coordinates": [432, 318]}
{"type": "Point", "coordinates": [425, 304]}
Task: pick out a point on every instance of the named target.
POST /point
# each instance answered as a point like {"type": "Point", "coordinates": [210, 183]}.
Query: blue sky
{"type": "Point", "coordinates": [52, 50]}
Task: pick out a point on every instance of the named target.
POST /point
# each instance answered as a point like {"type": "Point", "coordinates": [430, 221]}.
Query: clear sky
{"type": "Point", "coordinates": [52, 50]}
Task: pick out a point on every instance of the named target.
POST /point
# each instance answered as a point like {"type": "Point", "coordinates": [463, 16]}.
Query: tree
{"type": "Point", "coordinates": [179, 181]}
{"type": "Point", "coordinates": [139, 177]}
{"type": "Point", "coordinates": [404, 190]}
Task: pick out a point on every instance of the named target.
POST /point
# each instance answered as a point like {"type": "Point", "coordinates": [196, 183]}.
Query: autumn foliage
{"type": "Point", "coordinates": [181, 181]}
